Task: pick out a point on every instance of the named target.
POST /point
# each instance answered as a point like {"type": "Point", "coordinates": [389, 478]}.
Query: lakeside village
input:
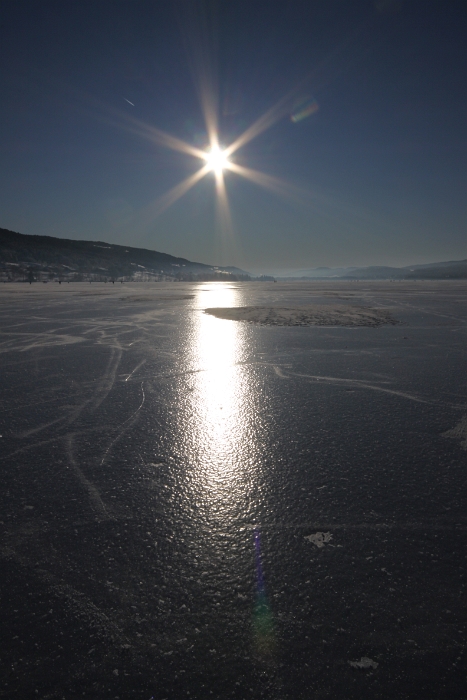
{"type": "Point", "coordinates": [35, 272]}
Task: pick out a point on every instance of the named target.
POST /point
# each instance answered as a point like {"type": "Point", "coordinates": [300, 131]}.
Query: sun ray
{"type": "Point", "coordinates": [276, 185]}
{"type": "Point", "coordinates": [200, 36]}
{"type": "Point", "coordinates": [268, 119]}
{"type": "Point", "coordinates": [112, 116]}
{"type": "Point", "coordinates": [228, 245]}
{"type": "Point", "coordinates": [176, 144]}
{"type": "Point", "coordinates": [168, 198]}
{"type": "Point", "coordinates": [327, 207]}
{"type": "Point", "coordinates": [209, 108]}
{"type": "Point", "coordinates": [155, 135]}
{"type": "Point", "coordinates": [332, 63]}
{"type": "Point", "coordinates": [225, 215]}
{"type": "Point", "coordinates": [273, 115]}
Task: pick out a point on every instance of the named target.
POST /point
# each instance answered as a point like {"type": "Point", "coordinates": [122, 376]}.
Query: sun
{"type": "Point", "coordinates": [216, 159]}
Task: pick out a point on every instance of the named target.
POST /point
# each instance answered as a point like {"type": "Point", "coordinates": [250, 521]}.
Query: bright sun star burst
{"type": "Point", "coordinates": [216, 159]}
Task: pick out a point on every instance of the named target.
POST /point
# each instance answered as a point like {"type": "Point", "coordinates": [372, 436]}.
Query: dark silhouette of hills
{"type": "Point", "coordinates": [45, 257]}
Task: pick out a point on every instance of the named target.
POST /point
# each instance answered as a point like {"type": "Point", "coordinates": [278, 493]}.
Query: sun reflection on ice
{"type": "Point", "coordinates": [222, 450]}
{"type": "Point", "coordinates": [219, 387]}
{"type": "Point", "coordinates": [219, 439]}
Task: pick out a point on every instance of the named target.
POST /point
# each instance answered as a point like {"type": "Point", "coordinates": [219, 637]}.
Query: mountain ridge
{"type": "Point", "coordinates": [33, 257]}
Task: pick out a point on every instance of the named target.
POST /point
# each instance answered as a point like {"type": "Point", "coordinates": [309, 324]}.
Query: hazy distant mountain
{"type": "Point", "coordinates": [320, 272]}
{"type": "Point", "coordinates": [41, 257]}
{"type": "Point", "coordinates": [452, 269]}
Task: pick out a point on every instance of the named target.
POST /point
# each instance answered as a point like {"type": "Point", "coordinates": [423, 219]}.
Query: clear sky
{"type": "Point", "coordinates": [362, 151]}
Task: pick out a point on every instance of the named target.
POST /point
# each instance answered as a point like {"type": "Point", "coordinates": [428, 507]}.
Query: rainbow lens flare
{"type": "Point", "coordinates": [304, 109]}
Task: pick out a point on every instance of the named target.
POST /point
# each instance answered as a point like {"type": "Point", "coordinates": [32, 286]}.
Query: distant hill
{"type": "Point", "coordinates": [452, 269]}
{"type": "Point", "coordinates": [24, 257]}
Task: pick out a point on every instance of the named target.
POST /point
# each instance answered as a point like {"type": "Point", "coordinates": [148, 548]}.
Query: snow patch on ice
{"type": "Point", "coordinates": [364, 662]}
{"type": "Point", "coordinates": [310, 315]}
{"type": "Point", "coordinates": [319, 538]}
{"type": "Point", "coordinates": [459, 431]}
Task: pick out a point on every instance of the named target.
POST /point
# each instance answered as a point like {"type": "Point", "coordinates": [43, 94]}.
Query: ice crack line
{"type": "Point", "coordinates": [108, 379]}
{"type": "Point", "coordinates": [143, 362]}
{"type": "Point", "coordinates": [122, 428]}
{"type": "Point", "coordinates": [360, 383]}
{"type": "Point", "coordinates": [93, 492]}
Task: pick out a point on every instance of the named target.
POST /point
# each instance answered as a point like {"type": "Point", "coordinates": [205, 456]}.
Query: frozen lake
{"type": "Point", "coordinates": [200, 507]}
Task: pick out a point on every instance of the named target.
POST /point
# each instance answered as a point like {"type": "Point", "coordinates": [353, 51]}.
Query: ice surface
{"type": "Point", "coordinates": [144, 440]}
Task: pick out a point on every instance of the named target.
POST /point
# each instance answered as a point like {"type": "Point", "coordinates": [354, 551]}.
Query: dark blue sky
{"type": "Point", "coordinates": [375, 174]}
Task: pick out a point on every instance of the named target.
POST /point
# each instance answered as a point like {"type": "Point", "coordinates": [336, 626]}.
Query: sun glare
{"type": "Point", "coordinates": [216, 159]}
